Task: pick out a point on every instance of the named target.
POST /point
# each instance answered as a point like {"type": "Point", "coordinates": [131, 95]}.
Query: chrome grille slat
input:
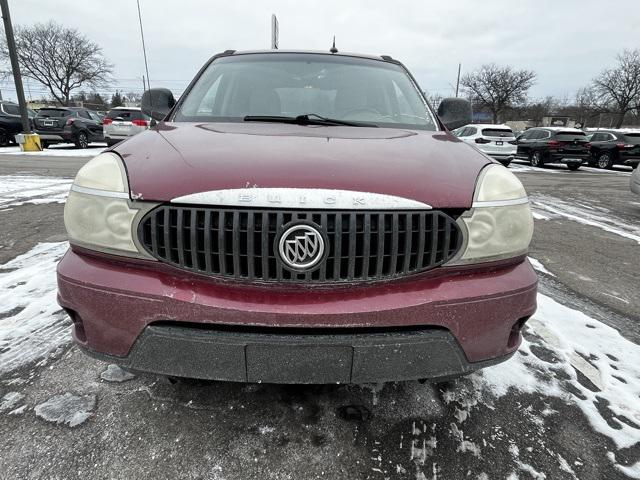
{"type": "Point", "coordinates": [239, 244]}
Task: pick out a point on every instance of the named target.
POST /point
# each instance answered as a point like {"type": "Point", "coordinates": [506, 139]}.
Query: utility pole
{"type": "Point", "coordinates": [458, 81]}
{"type": "Point", "coordinates": [144, 85]}
{"type": "Point", "coordinates": [15, 67]}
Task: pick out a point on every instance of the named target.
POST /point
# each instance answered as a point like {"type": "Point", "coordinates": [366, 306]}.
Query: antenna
{"type": "Point", "coordinates": [333, 49]}
{"type": "Point", "coordinates": [274, 32]}
{"type": "Point", "coordinates": [144, 48]}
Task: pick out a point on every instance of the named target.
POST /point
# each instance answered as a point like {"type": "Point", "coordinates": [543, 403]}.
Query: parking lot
{"type": "Point", "coordinates": [565, 407]}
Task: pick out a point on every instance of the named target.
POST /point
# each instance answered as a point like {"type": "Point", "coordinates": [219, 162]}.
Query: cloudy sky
{"type": "Point", "coordinates": [566, 42]}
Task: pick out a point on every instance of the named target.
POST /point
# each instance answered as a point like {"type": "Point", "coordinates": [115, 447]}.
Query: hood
{"type": "Point", "coordinates": [177, 159]}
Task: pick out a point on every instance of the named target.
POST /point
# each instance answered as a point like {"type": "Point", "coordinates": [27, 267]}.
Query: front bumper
{"type": "Point", "coordinates": [156, 318]}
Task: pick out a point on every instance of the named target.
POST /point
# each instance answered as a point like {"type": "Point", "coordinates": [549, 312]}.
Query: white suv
{"type": "Point", "coordinates": [497, 141]}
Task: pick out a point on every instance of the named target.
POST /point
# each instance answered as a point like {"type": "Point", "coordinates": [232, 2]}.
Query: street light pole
{"type": "Point", "coordinates": [15, 67]}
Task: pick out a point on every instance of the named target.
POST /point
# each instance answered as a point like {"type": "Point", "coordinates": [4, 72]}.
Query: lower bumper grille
{"type": "Point", "coordinates": [242, 244]}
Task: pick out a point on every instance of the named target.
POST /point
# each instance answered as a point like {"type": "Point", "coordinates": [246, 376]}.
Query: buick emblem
{"type": "Point", "coordinates": [301, 247]}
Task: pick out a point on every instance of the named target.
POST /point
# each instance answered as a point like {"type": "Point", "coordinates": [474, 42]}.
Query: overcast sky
{"type": "Point", "coordinates": [566, 42]}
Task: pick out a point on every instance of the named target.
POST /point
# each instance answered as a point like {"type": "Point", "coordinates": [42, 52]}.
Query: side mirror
{"type": "Point", "coordinates": [157, 103]}
{"type": "Point", "coordinates": [455, 112]}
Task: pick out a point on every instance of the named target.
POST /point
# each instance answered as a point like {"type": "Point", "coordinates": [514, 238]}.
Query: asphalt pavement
{"type": "Point", "coordinates": [560, 409]}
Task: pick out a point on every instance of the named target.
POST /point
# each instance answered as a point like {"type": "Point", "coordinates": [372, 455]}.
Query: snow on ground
{"type": "Point", "coordinates": [58, 151]}
{"type": "Point", "coordinates": [32, 324]}
{"type": "Point", "coordinates": [114, 373]}
{"type": "Point", "coordinates": [551, 207]}
{"type": "Point", "coordinates": [35, 189]}
{"type": "Point", "coordinates": [570, 355]}
{"type": "Point", "coordinates": [67, 409]}
{"type": "Point", "coordinates": [537, 264]}
{"type": "Point", "coordinates": [526, 168]}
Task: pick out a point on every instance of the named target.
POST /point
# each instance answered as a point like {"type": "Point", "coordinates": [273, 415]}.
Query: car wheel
{"type": "Point", "coordinates": [536, 160]}
{"type": "Point", "coordinates": [605, 160]}
{"type": "Point", "coordinates": [44, 144]}
{"type": "Point", "coordinates": [573, 166]}
{"type": "Point", "coordinates": [82, 140]}
{"type": "Point", "coordinates": [4, 139]}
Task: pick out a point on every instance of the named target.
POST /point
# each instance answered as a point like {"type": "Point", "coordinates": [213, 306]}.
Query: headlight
{"type": "Point", "coordinates": [500, 224]}
{"type": "Point", "coordinates": [98, 214]}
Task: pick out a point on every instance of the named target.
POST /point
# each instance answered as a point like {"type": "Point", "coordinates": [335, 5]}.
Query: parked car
{"type": "Point", "coordinates": [497, 141]}
{"type": "Point", "coordinates": [68, 125]}
{"type": "Point", "coordinates": [635, 181]}
{"type": "Point", "coordinates": [11, 122]}
{"type": "Point", "coordinates": [123, 122]}
{"type": "Point", "coordinates": [614, 147]}
{"type": "Point", "coordinates": [298, 217]}
{"type": "Point", "coordinates": [540, 146]}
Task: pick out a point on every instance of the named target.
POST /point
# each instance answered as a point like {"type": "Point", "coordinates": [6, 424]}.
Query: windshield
{"type": "Point", "coordinates": [633, 138]}
{"type": "Point", "coordinates": [497, 132]}
{"type": "Point", "coordinates": [338, 87]}
{"type": "Point", "coordinates": [53, 112]}
{"type": "Point", "coordinates": [570, 136]}
{"type": "Point", "coordinates": [127, 115]}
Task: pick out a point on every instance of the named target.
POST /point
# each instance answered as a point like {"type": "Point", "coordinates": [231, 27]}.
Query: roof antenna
{"type": "Point", "coordinates": [333, 49]}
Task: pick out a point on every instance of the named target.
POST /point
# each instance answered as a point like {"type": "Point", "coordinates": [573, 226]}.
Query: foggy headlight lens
{"type": "Point", "coordinates": [500, 224]}
{"type": "Point", "coordinates": [98, 214]}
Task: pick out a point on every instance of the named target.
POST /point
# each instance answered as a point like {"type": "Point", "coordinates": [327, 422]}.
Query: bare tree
{"type": "Point", "coordinates": [619, 87]}
{"type": "Point", "coordinates": [497, 88]}
{"type": "Point", "coordinates": [133, 97]}
{"type": "Point", "coordinates": [61, 59]}
{"type": "Point", "coordinates": [434, 99]}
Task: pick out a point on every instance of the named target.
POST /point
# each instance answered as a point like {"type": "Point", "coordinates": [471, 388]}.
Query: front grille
{"type": "Point", "coordinates": [240, 244]}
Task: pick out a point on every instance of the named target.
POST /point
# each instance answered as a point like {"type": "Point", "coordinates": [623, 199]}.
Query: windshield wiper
{"type": "Point", "coordinates": [307, 119]}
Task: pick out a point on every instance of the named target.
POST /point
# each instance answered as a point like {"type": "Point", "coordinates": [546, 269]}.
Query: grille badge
{"type": "Point", "coordinates": [301, 247]}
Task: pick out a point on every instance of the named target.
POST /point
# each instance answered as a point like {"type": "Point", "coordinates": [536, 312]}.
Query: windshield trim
{"type": "Point", "coordinates": [437, 126]}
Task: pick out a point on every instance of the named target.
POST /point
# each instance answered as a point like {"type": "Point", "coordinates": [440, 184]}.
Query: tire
{"type": "Point", "coordinates": [573, 166]}
{"type": "Point", "coordinates": [5, 140]}
{"type": "Point", "coordinates": [82, 140]}
{"type": "Point", "coordinates": [44, 144]}
{"type": "Point", "coordinates": [535, 159]}
{"type": "Point", "coordinates": [605, 161]}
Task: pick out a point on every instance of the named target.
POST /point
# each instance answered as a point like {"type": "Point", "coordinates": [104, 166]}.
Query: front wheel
{"type": "Point", "coordinates": [536, 160]}
{"type": "Point", "coordinates": [573, 166]}
{"type": "Point", "coordinates": [605, 160]}
{"type": "Point", "coordinates": [4, 139]}
{"type": "Point", "coordinates": [82, 140]}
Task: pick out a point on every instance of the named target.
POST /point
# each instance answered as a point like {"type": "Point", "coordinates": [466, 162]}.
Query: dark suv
{"type": "Point", "coordinates": [553, 145]}
{"type": "Point", "coordinates": [68, 125]}
{"type": "Point", "coordinates": [10, 122]}
{"type": "Point", "coordinates": [611, 147]}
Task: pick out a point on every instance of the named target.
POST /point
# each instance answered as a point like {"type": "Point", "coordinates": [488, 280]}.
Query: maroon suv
{"type": "Point", "coordinates": [298, 217]}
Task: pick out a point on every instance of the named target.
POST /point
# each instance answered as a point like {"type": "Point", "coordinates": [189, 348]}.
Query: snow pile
{"type": "Point", "coordinates": [35, 189]}
{"type": "Point", "coordinates": [32, 324]}
{"type": "Point", "coordinates": [537, 264]}
{"type": "Point", "coordinates": [114, 373]}
{"type": "Point", "coordinates": [581, 360]}
{"type": "Point", "coordinates": [67, 409]}
{"type": "Point", "coordinates": [10, 401]}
